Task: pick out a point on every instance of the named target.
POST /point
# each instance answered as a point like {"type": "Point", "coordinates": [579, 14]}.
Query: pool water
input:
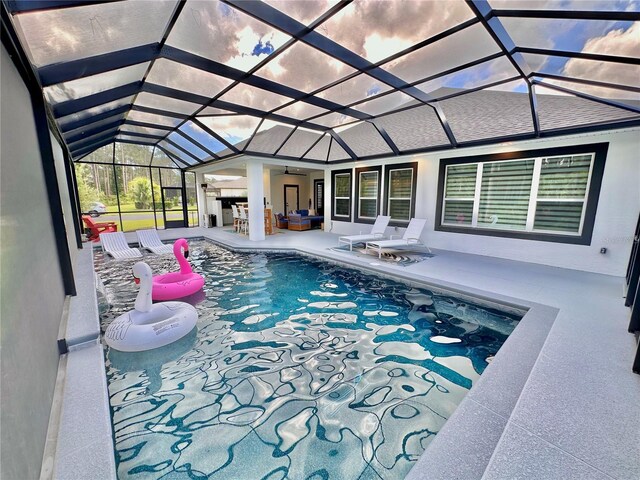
{"type": "Point", "coordinates": [298, 369]}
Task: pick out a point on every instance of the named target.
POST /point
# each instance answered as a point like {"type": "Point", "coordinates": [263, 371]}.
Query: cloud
{"type": "Point", "coordinates": [304, 68]}
{"type": "Point", "coordinates": [304, 11]}
{"type": "Point", "coordinates": [232, 127]}
{"type": "Point", "coordinates": [218, 32]}
{"type": "Point", "coordinates": [365, 27]}
{"type": "Point", "coordinates": [622, 43]}
{"type": "Point", "coordinates": [182, 77]}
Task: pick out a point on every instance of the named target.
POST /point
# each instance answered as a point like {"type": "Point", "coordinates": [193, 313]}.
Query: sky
{"type": "Point", "coordinates": [376, 30]}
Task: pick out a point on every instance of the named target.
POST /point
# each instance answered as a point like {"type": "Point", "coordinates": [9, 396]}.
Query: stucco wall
{"type": "Point", "coordinates": [617, 212]}
{"type": "Point", "coordinates": [277, 189]}
{"type": "Point", "coordinates": [31, 285]}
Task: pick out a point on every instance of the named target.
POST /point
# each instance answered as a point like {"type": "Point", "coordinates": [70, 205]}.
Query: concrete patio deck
{"type": "Point", "coordinates": [576, 414]}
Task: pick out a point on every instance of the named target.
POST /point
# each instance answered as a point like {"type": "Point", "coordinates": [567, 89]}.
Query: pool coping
{"type": "Point", "coordinates": [474, 429]}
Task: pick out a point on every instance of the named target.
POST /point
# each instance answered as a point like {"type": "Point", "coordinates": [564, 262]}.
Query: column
{"type": "Point", "coordinates": [328, 203]}
{"type": "Point", "coordinates": [202, 200]}
{"type": "Point", "coordinates": [255, 192]}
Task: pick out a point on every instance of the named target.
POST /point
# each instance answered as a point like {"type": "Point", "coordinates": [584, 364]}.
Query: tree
{"type": "Point", "coordinates": [87, 191]}
{"type": "Point", "coordinates": [140, 191]}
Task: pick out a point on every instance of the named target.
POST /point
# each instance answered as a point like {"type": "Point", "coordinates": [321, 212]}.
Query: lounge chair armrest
{"type": "Point", "coordinates": [378, 235]}
{"type": "Point", "coordinates": [413, 240]}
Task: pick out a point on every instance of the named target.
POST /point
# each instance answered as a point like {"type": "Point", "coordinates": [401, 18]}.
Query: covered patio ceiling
{"type": "Point", "coordinates": [325, 81]}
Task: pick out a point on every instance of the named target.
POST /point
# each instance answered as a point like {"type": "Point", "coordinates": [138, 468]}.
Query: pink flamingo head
{"type": "Point", "coordinates": [180, 245]}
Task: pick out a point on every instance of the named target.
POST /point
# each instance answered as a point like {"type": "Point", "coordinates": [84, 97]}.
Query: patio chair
{"type": "Point", "coordinates": [243, 221]}
{"type": "Point", "coordinates": [115, 244]}
{"type": "Point", "coordinates": [411, 237]}
{"type": "Point", "coordinates": [236, 217]}
{"type": "Point", "coordinates": [149, 240]}
{"type": "Point", "coordinates": [95, 229]}
{"type": "Point", "coordinates": [376, 233]}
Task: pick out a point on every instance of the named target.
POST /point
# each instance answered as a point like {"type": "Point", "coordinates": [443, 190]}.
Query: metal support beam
{"type": "Point", "coordinates": [197, 143]}
{"type": "Point", "coordinates": [336, 138]}
{"type": "Point", "coordinates": [596, 57]}
{"type": "Point", "coordinates": [93, 126]}
{"type": "Point", "coordinates": [201, 100]}
{"type": "Point", "coordinates": [611, 103]}
{"type": "Point", "coordinates": [146, 125]}
{"type": "Point", "coordinates": [494, 27]}
{"type": "Point", "coordinates": [570, 14]}
{"type": "Point", "coordinates": [70, 139]}
{"type": "Point", "coordinates": [182, 149]}
{"type": "Point", "coordinates": [173, 156]}
{"type": "Point", "coordinates": [158, 111]}
{"type": "Point", "coordinates": [533, 104]}
{"type": "Point", "coordinates": [215, 135]}
{"type": "Point", "coordinates": [582, 81]}
{"type": "Point", "coordinates": [94, 118]}
{"type": "Point", "coordinates": [24, 6]}
{"type": "Point", "coordinates": [85, 67]}
{"type": "Point", "coordinates": [80, 153]}
{"type": "Point", "coordinates": [383, 133]}
{"type": "Point", "coordinates": [141, 135]}
{"type": "Point", "coordinates": [225, 71]}
{"type": "Point", "coordinates": [111, 134]}
{"type": "Point", "coordinates": [134, 142]}
{"type": "Point", "coordinates": [84, 103]}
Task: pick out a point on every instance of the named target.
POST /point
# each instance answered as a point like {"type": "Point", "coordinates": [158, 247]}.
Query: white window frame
{"type": "Point", "coordinates": [360, 198]}
{"type": "Point", "coordinates": [475, 199]}
{"type": "Point", "coordinates": [389, 197]}
{"type": "Point", "coordinates": [336, 198]}
{"type": "Point", "coordinates": [533, 198]}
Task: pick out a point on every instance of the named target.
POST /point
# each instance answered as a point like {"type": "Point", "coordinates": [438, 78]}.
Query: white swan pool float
{"type": "Point", "coordinates": [149, 326]}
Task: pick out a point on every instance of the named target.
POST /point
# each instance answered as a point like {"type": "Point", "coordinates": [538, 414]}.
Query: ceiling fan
{"type": "Point", "coordinates": [287, 172]}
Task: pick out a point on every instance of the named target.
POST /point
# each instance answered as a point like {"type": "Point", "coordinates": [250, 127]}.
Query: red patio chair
{"type": "Point", "coordinates": [94, 229]}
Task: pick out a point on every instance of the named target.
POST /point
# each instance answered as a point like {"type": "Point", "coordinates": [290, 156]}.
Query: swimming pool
{"type": "Point", "coordinates": [298, 369]}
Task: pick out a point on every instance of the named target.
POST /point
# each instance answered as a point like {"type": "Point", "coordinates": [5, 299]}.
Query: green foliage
{"type": "Point", "coordinates": [140, 193]}
{"type": "Point", "coordinates": [86, 191]}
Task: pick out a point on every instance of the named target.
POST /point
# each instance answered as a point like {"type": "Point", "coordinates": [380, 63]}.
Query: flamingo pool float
{"type": "Point", "coordinates": [149, 326]}
{"type": "Point", "coordinates": [177, 284]}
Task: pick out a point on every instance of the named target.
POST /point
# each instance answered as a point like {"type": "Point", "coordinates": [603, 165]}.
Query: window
{"type": "Point", "coordinates": [367, 194]}
{"type": "Point", "coordinates": [548, 194]}
{"type": "Point", "coordinates": [400, 197]}
{"type": "Point", "coordinates": [341, 195]}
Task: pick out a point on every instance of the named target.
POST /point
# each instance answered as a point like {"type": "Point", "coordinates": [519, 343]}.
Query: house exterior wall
{"type": "Point", "coordinates": [277, 189]}
{"type": "Point", "coordinates": [617, 212]}
{"type": "Point", "coordinates": [31, 308]}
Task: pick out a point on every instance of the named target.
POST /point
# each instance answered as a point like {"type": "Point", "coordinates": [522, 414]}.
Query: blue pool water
{"type": "Point", "coordinates": [298, 369]}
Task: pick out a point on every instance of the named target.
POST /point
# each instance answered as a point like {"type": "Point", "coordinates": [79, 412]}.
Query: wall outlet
{"type": "Point", "coordinates": [603, 250]}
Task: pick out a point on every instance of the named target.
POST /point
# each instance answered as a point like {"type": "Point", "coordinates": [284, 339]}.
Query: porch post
{"type": "Point", "coordinates": [327, 200]}
{"type": "Point", "coordinates": [255, 192]}
{"type": "Point", "coordinates": [202, 200]}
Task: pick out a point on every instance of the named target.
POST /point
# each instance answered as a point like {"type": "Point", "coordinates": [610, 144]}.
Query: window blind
{"type": "Point", "coordinates": [562, 192]}
{"type": "Point", "coordinates": [368, 194]}
{"type": "Point", "coordinates": [460, 190]}
{"type": "Point", "coordinates": [342, 194]}
{"type": "Point", "coordinates": [400, 192]}
{"type": "Point", "coordinates": [505, 194]}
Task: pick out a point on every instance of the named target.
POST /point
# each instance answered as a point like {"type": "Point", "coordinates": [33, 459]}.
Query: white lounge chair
{"type": "Point", "coordinates": [115, 244]}
{"type": "Point", "coordinates": [411, 237]}
{"type": "Point", "coordinates": [377, 233]}
{"type": "Point", "coordinates": [149, 240]}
